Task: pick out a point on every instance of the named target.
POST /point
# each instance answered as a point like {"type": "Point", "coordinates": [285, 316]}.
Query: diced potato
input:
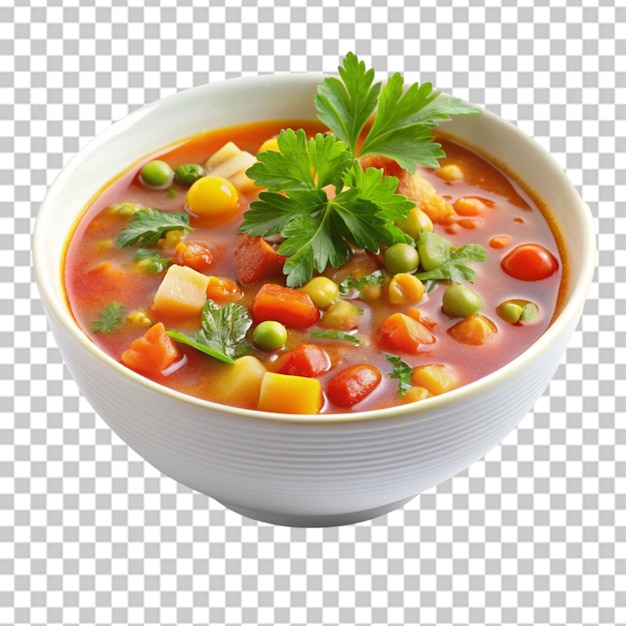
{"type": "Point", "coordinates": [242, 382]}
{"type": "Point", "coordinates": [416, 393]}
{"type": "Point", "coordinates": [418, 189]}
{"type": "Point", "coordinates": [434, 377]}
{"type": "Point", "coordinates": [225, 153]}
{"type": "Point", "coordinates": [342, 315]}
{"type": "Point", "coordinates": [236, 164]}
{"type": "Point", "coordinates": [182, 292]}
{"type": "Point", "coordinates": [283, 393]}
{"type": "Point", "coordinates": [450, 173]}
{"type": "Point", "coordinates": [243, 183]}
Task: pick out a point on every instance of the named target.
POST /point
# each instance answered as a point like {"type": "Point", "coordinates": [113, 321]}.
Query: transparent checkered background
{"type": "Point", "coordinates": [90, 534]}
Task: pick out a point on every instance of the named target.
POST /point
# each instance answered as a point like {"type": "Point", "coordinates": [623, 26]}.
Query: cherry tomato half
{"type": "Point", "coordinates": [529, 262]}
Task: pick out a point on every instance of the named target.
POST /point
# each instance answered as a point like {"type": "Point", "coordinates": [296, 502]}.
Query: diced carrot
{"type": "Point", "coordinates": [222, 290]}
{"type": "Point", "coordinates": [473, 330]}
{"type": "Point", "coordinates": [306, 360]}
{"type": "Point", "coordinates": [281, 393]}
{"type": "Point", "coordinates": [418, 316]}
{"type": "Point", "coordinates": [402, 333]}
{"type": "Point", "coordinates": [501, 241]}
{"type": "Point", "coordinates": [353, 384]}
{"type": "Point", "coordinates": [194, 254]}
{"type": "Point", "coordinates": [469, 206]}
{"type": "Point", "coordinates": [435, 377]}
{"type": "Point", "coordinates": [257, 260]}
{"type": "Point", "coordinates": [182, 292]}
{"type": "Point", "coordinates": [290, 307]}
{"type": "Point", "coordinates": [152, 353]}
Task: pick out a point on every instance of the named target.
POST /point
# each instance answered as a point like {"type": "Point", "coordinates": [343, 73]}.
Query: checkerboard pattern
{"type": "Point", "coordinates": [533, 534]}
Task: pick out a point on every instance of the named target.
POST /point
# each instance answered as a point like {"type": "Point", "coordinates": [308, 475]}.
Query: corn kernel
{"type": "Point", "coordinates": [141, 319]}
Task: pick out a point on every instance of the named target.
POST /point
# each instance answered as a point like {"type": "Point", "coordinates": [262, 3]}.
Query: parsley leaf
{"type": "Point", "coordinates": [110, 318]}
{"type": "Point", "coordinates": [147, 226]}
{"type": "Point", "coordinates": [345, 105]}
{"type": "Point", "coordinates": [402, 371]}
{"type": "Point", "coordinates": [452, 262]}
{"type": "Point", "coordinates": [157, 262]}
{"type": "Point", "coordinates": [350, 284]}
{"type": "Point", "coordinates": [336, 334]}
{"type": "Point", "coordinates": [320, 226]}
{"type": "Point", "coordinates": [223, 333]}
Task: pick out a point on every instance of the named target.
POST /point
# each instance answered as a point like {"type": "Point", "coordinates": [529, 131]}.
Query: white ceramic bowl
{"type": "Point", "coordinates": [301, 470]}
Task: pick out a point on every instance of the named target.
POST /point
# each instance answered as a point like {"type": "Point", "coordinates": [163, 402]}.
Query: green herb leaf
{"type": "Point", "coordinates": [345, 105]}
{"type": "Point", "coordinates": [402, 371]}
{"type": "Point", "coordinates": [321, 228]}
{"type": "Point", "coordinates": [157, 262]}
{"type": "Point", "coordinates": [110, 318]}
{"type": "Point", "coordinates": [336, 334]}
{"type": "Point", "coordinates": [147, 226]}
{"type": "Point", "coordinates": [223, 333]}
{"type": "Point", "coordinates": [453, 262]}
{"type": "Point", "coordinates": [351, 284]}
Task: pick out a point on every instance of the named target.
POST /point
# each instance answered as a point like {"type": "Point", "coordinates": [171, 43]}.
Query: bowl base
{"type": "Point", "coordinates": [315, 521]}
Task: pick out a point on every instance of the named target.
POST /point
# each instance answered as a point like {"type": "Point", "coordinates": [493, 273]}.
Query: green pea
{"type": "Point", "coordinates": [270, 335]}
{"type": "Point", "coordinates": [510, 312]}
{"type": "Point", "coordinates": [401, 258]}
{"type": "Point", "coordinates": [460, 301]}
{"type": "Point", "coordinates": [189, 173]}
{"type": "Point", "coordinates": [156, 175]}
{"type": "Point", "coordinates": [518, 311]}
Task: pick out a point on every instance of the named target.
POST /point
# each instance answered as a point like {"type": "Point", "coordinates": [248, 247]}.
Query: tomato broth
{"type": "Point", "coordinates": [500, 216]}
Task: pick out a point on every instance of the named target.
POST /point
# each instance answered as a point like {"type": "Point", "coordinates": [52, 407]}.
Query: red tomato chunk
{"type": "Point", "coordinates": [353, 384]}
{"type": "Point", "coordinates": [306, 360]}
{"type": "Point", "coordinates": [530, 262]}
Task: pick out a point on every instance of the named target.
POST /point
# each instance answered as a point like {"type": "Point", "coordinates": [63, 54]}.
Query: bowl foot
{"type": "Point", "coordinates": [315, 521]}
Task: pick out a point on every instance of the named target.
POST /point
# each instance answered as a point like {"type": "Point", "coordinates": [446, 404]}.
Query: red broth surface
{"type": "Point", "coordinates": [98, 272]}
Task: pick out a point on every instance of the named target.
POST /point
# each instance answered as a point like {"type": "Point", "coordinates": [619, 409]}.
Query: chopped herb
{"type": "Point", "coordinates": [223, 333]}
{"type": "Point", "coordinates": [152, 260]}
{"type": "Point", "coordinates": [402, 371]}
{"type": "Point", "coordinates": [147, 226]}
{"type": "Point", "coordinates": [319, 229]}
{"type": "Point", "coordinates": [336, 334]}
{"type": "Point", "coordinates": [452, 263]}
{"type": "Point", "coordinates": [351, 284]}
{"type": "Point", "coordinates": [110, 318]}
{"type": "Point", "coordinates": [529, 312]}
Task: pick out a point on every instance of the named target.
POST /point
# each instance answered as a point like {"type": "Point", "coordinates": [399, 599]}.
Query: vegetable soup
{"type": "Point", "coordinates": [308, 271]}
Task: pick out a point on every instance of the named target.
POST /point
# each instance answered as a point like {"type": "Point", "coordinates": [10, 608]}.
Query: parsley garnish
{"type": "Point", "coordinates": [147, 226]}
{"type": "Point", "coordinates": [402, 371]}
{"type": "Point", "coordinates": [223, 333]}
{"type": "Point", "coordinates": [318, 228]}
{"type": "Point", "coordinates": [158, 262]}
{"type": "Point", "coordinates": [351, 284]}
{"type": "Point", "coordinates": [453, 263]}
{"type": "Point", "coordinates": [336, 334]}
{"type": "Point", "coordinates": [110, 318]}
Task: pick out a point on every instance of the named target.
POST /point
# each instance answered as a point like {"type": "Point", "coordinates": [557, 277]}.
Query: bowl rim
{"type": "Point", "coordinates": [54, 305]}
